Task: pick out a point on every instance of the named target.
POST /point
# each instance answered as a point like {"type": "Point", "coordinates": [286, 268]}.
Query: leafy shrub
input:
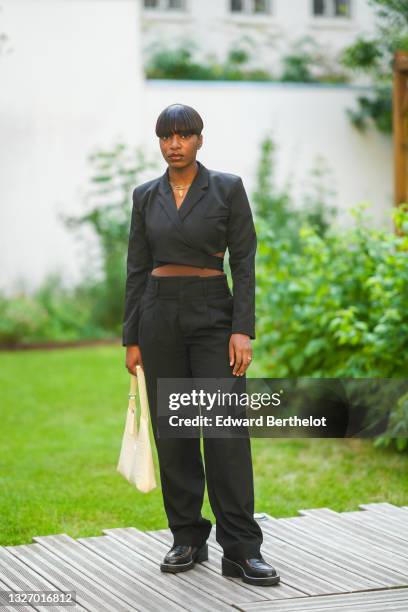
{"type": "Point", "coordinates": [336, 307]}
{"type": "Point", "coordinates": [306, 63]}
{"type": "Point", "coordinates": [21, 316]}
{"type": "Point", "coordinates": [52, 312]}
{"type": "Point", "coordinates": [309, 62]}
{"type": "Point", "coordinates": [397, 428]}
{"type": "Point", "coordinates": [330, 303]}
{"type": "Point", "coordinates": [179, 63]}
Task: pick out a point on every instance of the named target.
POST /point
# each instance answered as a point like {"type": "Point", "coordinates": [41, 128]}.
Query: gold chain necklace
{"type": "Point", "coordinates": [180, 188]}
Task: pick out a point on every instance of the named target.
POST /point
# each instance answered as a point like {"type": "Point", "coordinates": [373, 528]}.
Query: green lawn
{"type": "Point", "coordinates": [62, 419]}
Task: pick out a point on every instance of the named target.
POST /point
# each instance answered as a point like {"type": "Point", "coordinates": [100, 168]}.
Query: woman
{"type": "Point", "coordinates": [181, 321]}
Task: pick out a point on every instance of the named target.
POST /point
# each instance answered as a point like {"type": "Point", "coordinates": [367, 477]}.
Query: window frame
{"type": "Point", "coordinates": [330, 14]}
{"type": "Point", "coordinates": [164, 8]}
{"type": "Point", "coordinates": [248, 11]}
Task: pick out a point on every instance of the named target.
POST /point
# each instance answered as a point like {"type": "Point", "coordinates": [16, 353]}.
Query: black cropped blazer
{"type": "Point", "coordinates": [214, 215]}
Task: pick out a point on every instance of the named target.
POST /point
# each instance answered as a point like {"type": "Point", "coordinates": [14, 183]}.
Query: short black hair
{"type": "Point", "coordinates": [180, 119]}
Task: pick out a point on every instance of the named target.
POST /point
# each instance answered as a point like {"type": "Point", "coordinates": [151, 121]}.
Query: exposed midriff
{"type": "Point", "coordinates": [181, 269]}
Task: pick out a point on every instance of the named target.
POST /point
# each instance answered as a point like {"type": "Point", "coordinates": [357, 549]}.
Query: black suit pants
{"type": "Point", "coordinates": [184, 331]}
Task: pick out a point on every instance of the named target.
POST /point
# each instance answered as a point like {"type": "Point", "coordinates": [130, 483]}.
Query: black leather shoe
{"type": "Point", "coordinates": [181, 558]}
{"type": "Point", "coordinates": [253, 571]}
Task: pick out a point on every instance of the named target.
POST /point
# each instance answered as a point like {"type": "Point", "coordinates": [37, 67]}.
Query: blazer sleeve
{"type": "Point", "coordinates": [242, 244]}
{"type": "Point", "coordinates": [139, 264]}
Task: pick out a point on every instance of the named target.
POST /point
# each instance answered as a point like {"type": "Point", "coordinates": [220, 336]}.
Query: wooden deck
{"type": "Point", "coordinates": [328, 561]}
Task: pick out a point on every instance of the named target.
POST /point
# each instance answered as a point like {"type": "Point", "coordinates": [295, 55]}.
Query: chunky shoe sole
{"type": "Point", "coordinates": [233, 569]}
{"type": "Point", "coordinates": [173, 568]}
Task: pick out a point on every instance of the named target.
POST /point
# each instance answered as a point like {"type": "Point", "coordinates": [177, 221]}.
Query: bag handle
{"type": "Point", "coordinates": [143, 401]}
{"type": "Point", "coordinates": [137, 383]}
{"type": "Point", "coordinates": [132, 404]}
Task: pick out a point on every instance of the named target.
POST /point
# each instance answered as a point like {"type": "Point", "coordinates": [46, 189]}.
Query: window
{"type": "Point", "coordinates": [331, 8]}
{"type": "Point", "coordinates": [342, 8]}
{"type": "Point", "coordinates": [237, 6]}
{"type": "Point", "coordinates": [318, 7]}
{"type": "Point", "coordinates": [175, 4]}
{"type": "Point", "coordinates": [251, 7]}
{"type": "Point", "coordinates": [165, 5]}
{"type": "Point", "coordinates": [260, 6]}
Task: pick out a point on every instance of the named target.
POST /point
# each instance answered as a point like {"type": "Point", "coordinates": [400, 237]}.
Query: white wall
{"type": "Point", "coordinates": [71, 83]}
{"type": "Point", "coordinates": [306, 121]}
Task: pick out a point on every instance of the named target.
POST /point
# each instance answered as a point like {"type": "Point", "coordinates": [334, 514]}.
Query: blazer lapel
{"type": "Point", "coordinates": [194, 194]}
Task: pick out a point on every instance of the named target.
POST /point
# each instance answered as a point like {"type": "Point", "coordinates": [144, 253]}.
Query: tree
{"type": "Point", "coordinates": [373, 56]}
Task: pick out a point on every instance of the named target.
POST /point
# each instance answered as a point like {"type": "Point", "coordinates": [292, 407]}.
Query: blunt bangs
{"type": "Point", "coordinates": [179, 119]}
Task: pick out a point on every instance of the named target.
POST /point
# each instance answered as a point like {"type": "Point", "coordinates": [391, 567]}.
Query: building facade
{"type": "Point", "coordinates": [268, 29]}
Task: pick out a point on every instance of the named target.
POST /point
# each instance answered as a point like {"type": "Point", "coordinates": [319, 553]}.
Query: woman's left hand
{"type": "Point", "coordinates": [240, 353]}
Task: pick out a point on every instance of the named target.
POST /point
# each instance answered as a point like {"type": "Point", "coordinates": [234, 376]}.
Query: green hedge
{"type": "Point", "coordinates": [336, 307]}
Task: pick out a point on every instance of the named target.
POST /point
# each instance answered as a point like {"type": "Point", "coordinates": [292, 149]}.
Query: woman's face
{"type": "Point", "coordinates": [180, 150]}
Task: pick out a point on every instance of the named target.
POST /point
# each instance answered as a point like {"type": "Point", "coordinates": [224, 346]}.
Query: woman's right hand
{"type": "Point", "coordinates": [133, 358]}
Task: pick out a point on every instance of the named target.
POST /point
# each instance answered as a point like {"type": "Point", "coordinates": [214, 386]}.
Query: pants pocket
{"type": "Point", "coordinates": [147, 315]}
{"type": "Point", "coordinates": [220, 311]}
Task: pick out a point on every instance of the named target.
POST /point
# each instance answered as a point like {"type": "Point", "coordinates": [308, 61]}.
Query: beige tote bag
{"type": "Point", "coordinates": [136, 458]}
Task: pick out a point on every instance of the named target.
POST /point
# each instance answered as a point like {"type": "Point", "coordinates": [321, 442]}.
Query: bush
{"type": "Point", "coordinates": [178, 63]}
{"type": "Point", "coordinates": [305, 63]}
{"type": "Point", "coordinates": [52, 313]}
{"type": "Point", "coordinates": [397, 428]}
{"type": "Point", "coordinates": [330, 303]}
{"type": "Point", "coordinates": [309, 62]}
{"type": "Point", "coordinates": [336, 307]}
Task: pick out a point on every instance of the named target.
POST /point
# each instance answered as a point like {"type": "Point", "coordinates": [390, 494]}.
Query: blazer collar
{"type": "Point", "coordinates": [194, 194]}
